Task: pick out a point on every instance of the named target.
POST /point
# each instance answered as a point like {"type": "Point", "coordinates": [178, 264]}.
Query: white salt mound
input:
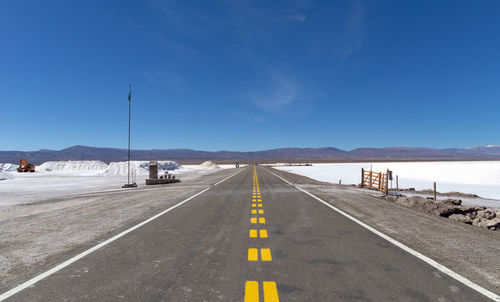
{"type": "Point", "coordinates": [69, 166]}
{"type": "Point", "coordinates": [5, 175]}
{"type": "Point", "coordinates": [208, 165]}
{"type": "Point", "coordinates": [137, 167]}
{"type": "Point", "coordinates": [8, 167]}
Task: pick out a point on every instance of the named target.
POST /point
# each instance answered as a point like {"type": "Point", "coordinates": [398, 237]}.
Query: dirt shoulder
{"type": "Point", "coordinates": [469, 251]}
{"type": "Point", "coordinates": [37, 235]}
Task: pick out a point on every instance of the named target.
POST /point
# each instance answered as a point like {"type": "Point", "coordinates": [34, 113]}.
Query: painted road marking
{"type": "Point", "coordinates": [254, 211]}
{"type": "Point", "coordinates": [259, 200]}
{"type": "Point", "coordinates": [253, 254]}
{"type": "Point", "coordinates": [261, 211]}
{"type": "Point", "coordinates": [259, 205]}
{"type": "Point", "coordinates": [253, 220]}
{"type": "Point", "coordinates": [270, 292]}
{"type": "Point", "coordinates": [262, 233]}
{"type": "Point", "coordinates": [60, 266]}
{"type": "Point", "coordinates": [262, 220]}
{"type": "Point", "coordinates": [407, 249]}
{"type": "Point", "coordinates": [254, 205]}
{"type": "Point", "coordinates": [254, 200]}
{"type": "Point", "coordinates": [251, 291]}
{"type": "Point", "coordinates": [265, 255]}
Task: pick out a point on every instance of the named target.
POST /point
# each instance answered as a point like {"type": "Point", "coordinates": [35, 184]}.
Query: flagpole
{"type": "Point", "coordinates": [129, 109]}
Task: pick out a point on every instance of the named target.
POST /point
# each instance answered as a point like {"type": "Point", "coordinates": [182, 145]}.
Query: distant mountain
{"type": "Point", "coordinates": [275, 155]}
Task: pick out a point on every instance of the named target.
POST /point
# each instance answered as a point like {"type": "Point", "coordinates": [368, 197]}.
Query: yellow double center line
{"type": "Point", "coordinates": [269, 288]}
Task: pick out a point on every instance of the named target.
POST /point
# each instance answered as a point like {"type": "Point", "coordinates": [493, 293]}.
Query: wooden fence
{"type": "Point", "coordinates": [375, 180]}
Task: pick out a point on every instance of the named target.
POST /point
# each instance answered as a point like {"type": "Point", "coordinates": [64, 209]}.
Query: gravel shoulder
{"type": "Point", "coordinates": [469, 251]}
{"type": "Point", "coordinates": [35, 236]}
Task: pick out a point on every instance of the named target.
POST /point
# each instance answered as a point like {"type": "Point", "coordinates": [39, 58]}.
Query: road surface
{"type": "Point", "coordinates": [252, 237]}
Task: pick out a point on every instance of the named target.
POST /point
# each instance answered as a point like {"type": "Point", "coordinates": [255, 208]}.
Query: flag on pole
{"type": "Point", "coordinates": [129, 93]}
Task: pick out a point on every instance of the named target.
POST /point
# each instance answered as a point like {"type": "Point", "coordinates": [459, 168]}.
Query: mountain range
{"type": "Point", "coordinates": [328, 154]}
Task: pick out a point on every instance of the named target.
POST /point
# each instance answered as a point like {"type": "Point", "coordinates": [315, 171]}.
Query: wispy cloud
{"type": "Point", "coordinates": [283, 92]}
{"type": "Point", "coordinates": [354, 36]}
{"type": "Point", "coordinates": [174, 81]}
{"type": "Point", "coordinates": [270, 11]}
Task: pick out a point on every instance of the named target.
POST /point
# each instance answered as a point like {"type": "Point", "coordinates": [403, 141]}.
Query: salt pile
{"type": "Point", "coordinates": [5, 169]}
{"type": "Point", "coordinates": [137, 167]}
{"type": "Point", "coordinates": [73, 166]}
{"type": "Point", "coordinates": [5, 175]}
{"type": "Point", "coordinates": [208, 165]}
{"type": "Point", "coordinates": [8, 167]}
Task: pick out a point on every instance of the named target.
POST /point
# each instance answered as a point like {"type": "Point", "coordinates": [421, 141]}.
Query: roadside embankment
{"type": "Point", "coordinates": [478, 216]}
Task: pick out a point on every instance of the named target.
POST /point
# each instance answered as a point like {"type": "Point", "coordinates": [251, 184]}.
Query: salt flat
{"type": "Point", "coordinates": [475, 177]}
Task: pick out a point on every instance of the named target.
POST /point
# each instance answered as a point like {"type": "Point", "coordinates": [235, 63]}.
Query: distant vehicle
{"type": "Point", "coordinates": [25, 166]}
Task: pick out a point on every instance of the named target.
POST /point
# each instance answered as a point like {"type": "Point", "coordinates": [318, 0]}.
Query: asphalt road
{"type": "Point", "coordinates": [204, 250]}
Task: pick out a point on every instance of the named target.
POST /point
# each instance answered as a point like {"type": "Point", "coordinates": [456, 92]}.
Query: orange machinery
{"type": "Point", "coordinates": [25, 166]}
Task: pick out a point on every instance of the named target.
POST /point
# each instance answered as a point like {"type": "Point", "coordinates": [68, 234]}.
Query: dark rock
{"type": "Point", "coordinates": [461, 218]}
{"type": "Point", "coordinates": [486, 214]}
{"type": "Point", "coordinates": [452, 201]}
{"type": "Point", "coordinates": [493, 224]}
{"type": "Point", "coordinates": [446, 209]}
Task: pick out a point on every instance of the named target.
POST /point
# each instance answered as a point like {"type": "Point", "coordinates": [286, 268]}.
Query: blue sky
{"type": "Point", "coordinates": [249, 75]}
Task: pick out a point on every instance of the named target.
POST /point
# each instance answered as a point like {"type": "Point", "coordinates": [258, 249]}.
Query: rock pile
{"type": "Point", "coordinates": [453, 209]}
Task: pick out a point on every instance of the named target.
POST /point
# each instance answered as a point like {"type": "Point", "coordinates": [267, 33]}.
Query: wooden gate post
{"type": "Point", "coordinates": [435, 191]}
{"type": "Point", "coordinates": [397, 184]}
{"type": "Point", "coordinates": [362, 178]}
{"type": "Point", "coordinates": [387, 183]}
{"type": "Point", "coordinates": [371, 174]}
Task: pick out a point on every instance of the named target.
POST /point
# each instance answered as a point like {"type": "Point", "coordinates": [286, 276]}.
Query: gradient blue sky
{"type": "Point", "coordinates": [249, 75]}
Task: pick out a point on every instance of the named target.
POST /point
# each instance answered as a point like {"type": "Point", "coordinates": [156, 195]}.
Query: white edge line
{"type": "Point", "coordinates": [228, 177]}
{"type": "Point", "coordinates": [420, 256]}
{"type": "Point", "coordinates": [53, 270]}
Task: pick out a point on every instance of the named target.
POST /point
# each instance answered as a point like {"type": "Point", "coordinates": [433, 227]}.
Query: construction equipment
{"type": "Point", "coordinates": [25, 166]}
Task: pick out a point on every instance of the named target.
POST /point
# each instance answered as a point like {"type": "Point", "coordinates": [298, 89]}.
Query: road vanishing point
{"type": "Point", "coordinates": [250, 237]}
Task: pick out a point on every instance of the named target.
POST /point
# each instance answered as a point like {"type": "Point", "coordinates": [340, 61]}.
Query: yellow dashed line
{"type": "Point", "coordinates": [251, 291]}
{"type": "Point", "coordinates": [265, 255]}
{"type": "Point", "coordinates": [270, 291]}
{"type": "Point", "coordinates": [253, 254]}
{"type": "Point", "coordinates": [253, 233]}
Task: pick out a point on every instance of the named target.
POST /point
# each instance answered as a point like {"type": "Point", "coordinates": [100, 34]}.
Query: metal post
{"type": "Point", "coordinates": [129, 109]}
{"type": "Point", "coordinates": [435, 191]}
{"type": "Point", "coordinates": [397, 183]}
